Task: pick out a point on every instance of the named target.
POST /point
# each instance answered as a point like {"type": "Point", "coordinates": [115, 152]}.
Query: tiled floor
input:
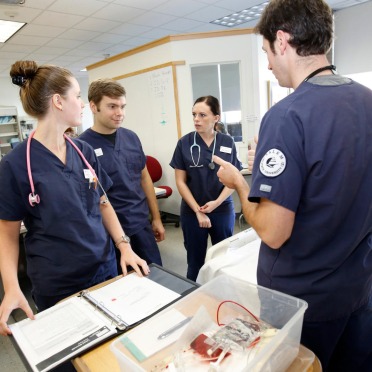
{"type": "Point", "coordinates": [174, 258]}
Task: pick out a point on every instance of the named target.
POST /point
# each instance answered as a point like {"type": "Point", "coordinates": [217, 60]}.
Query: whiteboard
{"type": "Point", "coordinates": [151, 114]}
{"type": "Point", "coordinates": [151, 111]}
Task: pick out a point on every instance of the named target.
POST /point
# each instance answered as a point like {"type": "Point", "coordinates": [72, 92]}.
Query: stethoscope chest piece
{"type": "Point", "coordinates": [33, 199]}
{"type": "Point", "coordinates": [211, 165]}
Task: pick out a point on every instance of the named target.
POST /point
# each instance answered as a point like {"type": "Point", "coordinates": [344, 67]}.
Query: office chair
{"type": "Point", "coordinates": [156, 172]}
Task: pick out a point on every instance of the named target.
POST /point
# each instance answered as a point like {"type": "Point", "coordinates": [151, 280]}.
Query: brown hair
{"type": "Point", "coordinates": [212, 102]}
{"type": "Point", "coordinates": [104, 87]}
{"type": "Point", "coordinates": [38, 84]}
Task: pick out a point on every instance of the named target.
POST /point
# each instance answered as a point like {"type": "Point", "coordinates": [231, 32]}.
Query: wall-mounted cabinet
{"type": "Point", "coordinates": [10, 132]}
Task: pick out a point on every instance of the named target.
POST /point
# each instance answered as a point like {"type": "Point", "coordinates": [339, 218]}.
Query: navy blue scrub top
{"type": "Point", "coordinates": [201, 180]}
{"type": "Point", "coordinates": [316, 163]}
{"type": "Point", "coordinates": [124, 163]}
{"type": "Point", "coordinates": [67, 246]}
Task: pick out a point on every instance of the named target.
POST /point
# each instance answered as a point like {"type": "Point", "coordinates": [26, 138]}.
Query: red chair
{"type": "Point", "coordinates": [155, 170]}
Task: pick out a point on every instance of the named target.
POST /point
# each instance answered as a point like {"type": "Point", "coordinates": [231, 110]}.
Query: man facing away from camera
{"type": "Point", "coordinates": [310, 200]}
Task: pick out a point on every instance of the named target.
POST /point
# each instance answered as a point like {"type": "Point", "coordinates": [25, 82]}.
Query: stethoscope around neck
{"type": "Point", "coordinates": [34, 198]}
{"type": "Point", "coordinates": [211, 165]}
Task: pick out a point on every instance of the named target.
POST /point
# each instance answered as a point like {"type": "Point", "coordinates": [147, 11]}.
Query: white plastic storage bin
{"type": "Point", "coordinates": [283, 312]}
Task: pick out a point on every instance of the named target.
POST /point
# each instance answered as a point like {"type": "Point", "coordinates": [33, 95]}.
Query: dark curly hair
{"type": "Point", "coordinates": [309, 22]}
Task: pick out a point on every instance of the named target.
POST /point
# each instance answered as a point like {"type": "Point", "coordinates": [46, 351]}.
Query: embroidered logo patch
{"type": "Point", "coordinates": [273, 163]}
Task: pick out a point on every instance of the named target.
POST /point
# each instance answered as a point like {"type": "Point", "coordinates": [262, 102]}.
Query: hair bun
{"type": "Point", "coordinates": [19, 80]}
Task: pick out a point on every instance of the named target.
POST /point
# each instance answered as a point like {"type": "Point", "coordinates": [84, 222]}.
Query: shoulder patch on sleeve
{"type": "Point", "coordinates": [273, 163]}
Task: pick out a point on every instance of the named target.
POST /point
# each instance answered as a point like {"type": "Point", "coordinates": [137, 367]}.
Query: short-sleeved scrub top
{"type": "Point", "coordinates": [67, 246]}
{"type": "Point", "coordinates": [201, 180]}
{"type": "Point", "coordinates": [124, 162]}
{"type": "Point", "coordinates": [314, 158]}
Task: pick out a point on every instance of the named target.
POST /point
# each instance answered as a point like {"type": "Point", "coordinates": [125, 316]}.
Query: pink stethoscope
{"type": "Point", "coordinates": [34, 198]}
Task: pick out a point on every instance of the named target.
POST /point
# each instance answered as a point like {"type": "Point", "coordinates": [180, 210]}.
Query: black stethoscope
{"type": "Point", "coordinates": [319, 70]}
{"type": "Point", "coordinates": [34, 198]}
{"type": "Point", "coordinates": [211, 165]}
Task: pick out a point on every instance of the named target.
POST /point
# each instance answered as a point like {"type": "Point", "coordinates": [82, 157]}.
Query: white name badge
{"type": "Point", "coordinates": [98, 152]}
{"type": "Point", "coordinates": [226, 150]}
{"type": "Point", "coordinates": [88, 174]}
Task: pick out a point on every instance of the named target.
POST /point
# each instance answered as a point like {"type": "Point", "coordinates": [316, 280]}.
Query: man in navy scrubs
{"type": "Point", "coordinates": [120, 153]}
{"type": "Point", "coordinates": [310, 199]}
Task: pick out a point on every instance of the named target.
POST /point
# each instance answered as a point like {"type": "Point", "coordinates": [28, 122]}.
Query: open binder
{"type": "Point", "coordinates": [79, 323]}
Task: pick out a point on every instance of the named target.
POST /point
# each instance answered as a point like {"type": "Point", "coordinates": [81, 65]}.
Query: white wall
{"type": "Point", "coordinates": [9, 95]}
{"type": "Point", "coordinates": [237, 48]}
{"type": "Point", "coordinates": [353, 30]}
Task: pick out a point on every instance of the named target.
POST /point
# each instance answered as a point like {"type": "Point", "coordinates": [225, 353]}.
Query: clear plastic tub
{"type": "Point", "coordinates": [282, 311]}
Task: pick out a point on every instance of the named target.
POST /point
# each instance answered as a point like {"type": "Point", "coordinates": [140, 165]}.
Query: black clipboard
{"type": "Point", "coordinates": [158, 274]}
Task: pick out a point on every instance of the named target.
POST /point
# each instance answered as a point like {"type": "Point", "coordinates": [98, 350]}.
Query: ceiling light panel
{"type": "Point", "coordinates": [238, 18]}
{"type": "Point", "coordinates": [8, 29]}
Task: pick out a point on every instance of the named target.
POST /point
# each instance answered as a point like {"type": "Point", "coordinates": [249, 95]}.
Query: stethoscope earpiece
{"type": "Point", "coordinates": [33, 199]}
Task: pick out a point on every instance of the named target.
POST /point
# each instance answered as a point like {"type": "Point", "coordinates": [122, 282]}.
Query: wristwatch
{"type": "Point", "coordinates": [124, 238]}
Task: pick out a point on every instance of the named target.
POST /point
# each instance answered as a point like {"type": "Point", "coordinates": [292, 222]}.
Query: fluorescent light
{"type": "Point", "coordinates": [8, 29]}
{"type": "Point", "coordinates": [245, 15]}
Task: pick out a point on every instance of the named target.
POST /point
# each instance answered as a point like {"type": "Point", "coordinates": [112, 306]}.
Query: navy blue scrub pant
{"type": "Point", "coordinates": [342, 345]}
{"type": "Point", "coordinates": [196, 238]}
{"type": "Point", "coordinates": [144, 245]}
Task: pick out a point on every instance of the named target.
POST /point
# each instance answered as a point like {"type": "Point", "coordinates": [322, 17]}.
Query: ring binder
{"type": "Point", "coordinates": [82, 325]}
{"type": "Point", "coordinates": [116, 319]}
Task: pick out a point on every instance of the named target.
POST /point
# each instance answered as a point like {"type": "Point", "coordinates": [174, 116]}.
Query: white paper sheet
{"type": "Point", "coordinates": [143, 340]}
{"type": "Point", "coordinates": [134, 298]}
{"type": "Point", "coordinates": [60, 332]}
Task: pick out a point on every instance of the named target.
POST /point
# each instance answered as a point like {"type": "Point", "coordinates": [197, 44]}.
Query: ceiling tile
{"type": "Point", "coordinates": [237, 5]}
{"type": "Point", "coordinates": [182, 25]}
{"type": "Point", "coordinates": [48, 18]}
{"type": "Point", "coordinates": [29, 40]}
{"type": "Point", "coordinates": [39, 30]}
{"type": "Point", "coordinates": [64, 43]}
{"type": "Point", "coordinates": [156, 33]}
{"type": "Point", "coordinates": [83, 35]}
{"type": "Point", "coordinates": [81, 7]}
{"type": "Point", "coordinates": [38, 4]}
{"type": "Point", "coordinates": [20, 48]}
{"type": "Point", "coordinates": [208, 14]}
{"type": "Point", "coordinates": [80, 52]}
{"type": "Point", "coordinates": [153, 19]}
{"type": "Point", "coordinates": [118, 13]}
{"type": "Point", "coordinates": [18, 14]}
{"type": "Point", "coordinates": [130, 29]}
{"type": "Point", "coordinates": [93, 24]}
{"type": "Point", "coordinates": [137, 41]}
{"type": "Point", "coordinates": [141, 4]}
{"type": "Point", "coordinates": [94, 46]}
{"type": "Point", "coordinates": [180, 7]}
{"type": "Point", "coordinates": [110, 38]}
{"type": "Point", "coordinates": [52, 50]}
